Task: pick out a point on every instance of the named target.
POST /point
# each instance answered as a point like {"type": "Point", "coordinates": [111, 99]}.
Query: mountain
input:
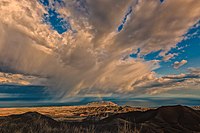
{"type": "Point", "coordinates": [166, 119]}
{"type": "Point", "coordinates": [169, 119]}
{"type": "Point", "coordinates": [102, 103]}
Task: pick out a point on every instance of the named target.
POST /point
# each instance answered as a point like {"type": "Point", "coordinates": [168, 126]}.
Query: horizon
{"type": "Point", "coordinates": [38, 100]}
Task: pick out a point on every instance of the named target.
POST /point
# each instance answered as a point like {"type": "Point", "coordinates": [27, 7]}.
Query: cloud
{"type": "Point", "coordinates": [169, 56]}
{"type": "Point", "coordinates": [170, 84]}
{"type": "Point", "coordinates": [179, 64]}
{"type": "Point", "coordinates": [19, 79]}
{"type": "Point", "coordinates": [89, 61]}
{"type": "Point", "coordinates": [194, 70]}
{"type": "Point", "coordinates": [158, 29]}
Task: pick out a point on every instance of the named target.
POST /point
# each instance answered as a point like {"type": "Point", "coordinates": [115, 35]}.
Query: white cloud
{"type": "Point", "coordinates": [169, 56]}
{"type": "Point", "coordinates": [179, 64]}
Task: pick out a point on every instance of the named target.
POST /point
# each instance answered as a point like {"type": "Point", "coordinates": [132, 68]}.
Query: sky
{"type": "Point", "coordinates": [77, 51]}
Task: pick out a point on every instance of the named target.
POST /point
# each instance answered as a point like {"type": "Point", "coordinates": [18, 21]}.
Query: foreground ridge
{"type": "Point", "coordinates": [169, 119]}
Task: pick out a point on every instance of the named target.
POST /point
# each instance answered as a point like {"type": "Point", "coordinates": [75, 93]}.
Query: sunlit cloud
{"type": "Point", "coordinates": [19, 79]}
{"type": "Point", "coordinates": [179, 64]}
{"type": "Point", "coordinates": [91, 55]}
{"type": "Point", "coordinates": [169, 56]}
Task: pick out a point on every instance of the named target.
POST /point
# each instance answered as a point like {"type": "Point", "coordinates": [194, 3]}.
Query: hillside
{"type": "Point", "coordinates": [167, 119]}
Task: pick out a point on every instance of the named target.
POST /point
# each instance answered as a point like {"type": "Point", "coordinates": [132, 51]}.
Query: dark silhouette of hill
{"type": "Point", "coordinates": [169, 119]}
{"type": "Point", "coordinates": [27, 123]}
{"type": "Point", "coordinates": [166, 119]}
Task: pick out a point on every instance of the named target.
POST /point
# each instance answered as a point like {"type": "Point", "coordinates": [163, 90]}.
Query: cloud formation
{"type": "Point", "coordinates": [90, 61]}
{"type": "Point", "coordinates": [19, 79]}
{"type": "Point", "coordinates": [170, 85]}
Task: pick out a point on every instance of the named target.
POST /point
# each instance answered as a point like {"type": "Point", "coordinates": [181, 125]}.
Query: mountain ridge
{"type": "Point", "coordinates": [167, 119]}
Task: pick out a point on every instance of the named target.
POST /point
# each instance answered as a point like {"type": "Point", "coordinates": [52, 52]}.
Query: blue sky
{"type": "Point", "coordinates": [53, 18]}
{"type": "Point", "coordinates": [189, 50]}
{"type": "Point", "coordinates": [191, 42]}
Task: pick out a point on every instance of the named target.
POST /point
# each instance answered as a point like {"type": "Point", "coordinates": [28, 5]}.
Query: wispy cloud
{"type": "Point", "coordinates": [19, 79]}
{"type": "Point", "coordinates": [171, 84]}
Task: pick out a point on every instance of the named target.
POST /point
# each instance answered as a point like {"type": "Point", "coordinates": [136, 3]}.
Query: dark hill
{"type": "Point", "coordinates": [167, 119]}
{"type": "Point", "coordinates": [27, 123]}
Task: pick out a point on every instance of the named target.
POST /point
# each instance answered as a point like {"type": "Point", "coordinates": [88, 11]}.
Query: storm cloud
{"type": "Point", "coordinates": [89, 58]}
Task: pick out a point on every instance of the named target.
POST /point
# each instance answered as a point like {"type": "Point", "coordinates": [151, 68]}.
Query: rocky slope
{"type": "Point", "coordinates": [78, 113]}
{"type": "Point", "coordinates": [171, 119]}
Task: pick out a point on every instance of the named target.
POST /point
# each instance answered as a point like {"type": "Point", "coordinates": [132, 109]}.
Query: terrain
{"type": "Point", "coordinates": [75, 113]}
{"type": "Point", "coordinates": [166, 119]}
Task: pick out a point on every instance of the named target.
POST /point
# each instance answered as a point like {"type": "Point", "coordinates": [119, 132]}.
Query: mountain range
{"type": "Point", "coordinates": [166, 119]}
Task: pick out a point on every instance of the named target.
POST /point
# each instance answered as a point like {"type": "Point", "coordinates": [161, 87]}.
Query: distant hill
{"type": "Point", "coordinates": [167, 119]}
{"type": "Point", "coordinates": [102, 103]}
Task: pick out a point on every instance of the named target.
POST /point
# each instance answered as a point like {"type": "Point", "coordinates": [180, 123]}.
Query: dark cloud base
{"type": "Point", "coordinates": [31, 96]}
